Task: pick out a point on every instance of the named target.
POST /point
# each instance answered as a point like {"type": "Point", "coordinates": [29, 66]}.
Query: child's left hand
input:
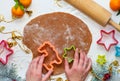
{"type": "Point", "coordinates": [34, 72]}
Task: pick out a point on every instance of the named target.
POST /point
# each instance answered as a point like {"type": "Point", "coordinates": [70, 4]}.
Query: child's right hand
{"type": "Point", "coordinates": [80, 68]}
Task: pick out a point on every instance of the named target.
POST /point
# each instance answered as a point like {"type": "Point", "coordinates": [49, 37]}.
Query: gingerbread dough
{"type": "Point", "coordinates": [61, 30]}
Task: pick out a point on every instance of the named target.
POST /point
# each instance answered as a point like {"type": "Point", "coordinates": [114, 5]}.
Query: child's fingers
{"type": "Point", "coordinates": [86, 61]}
{"type": "Point", "coordinates": [66, 65]}
{"type": "Point", "coordinates": [81, 60]}
{"type": "Point", "coordinates": [76, 58]}
{"type": "Point", "coordinates": [47, 75]}
{"type": "Point", "coordinates": [40, 63]}
{"type": "Point", "coordinates": [89, 65]}
{"type": "Point", "coordinates": [34, 63]}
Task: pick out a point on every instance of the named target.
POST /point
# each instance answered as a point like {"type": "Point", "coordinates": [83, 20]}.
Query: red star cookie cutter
{"type": "Point", "coordinates": [5, 52]}
{"type": "Point", "coordinates": [43, 50]}
{"type": "Point", "coordinates": [107, 39]}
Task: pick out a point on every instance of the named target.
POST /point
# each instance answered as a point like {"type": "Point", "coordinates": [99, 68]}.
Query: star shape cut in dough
{"type": "Point", "coordinates": [117, 48]}
{"type": "Point", "coordinates": [5, 52]}
{"type": "Point", "coordinates": [107, 39]}
{"type": "Point", "coordinates": [65, 55]}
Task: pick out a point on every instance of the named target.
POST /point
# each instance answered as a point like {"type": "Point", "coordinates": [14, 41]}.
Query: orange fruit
{"type": "Point", "coordinates": [115, 5]}
{"type": "Point", "coordinates": [17, 12]}
{"type": "Point", "coordinates": [25, 3]}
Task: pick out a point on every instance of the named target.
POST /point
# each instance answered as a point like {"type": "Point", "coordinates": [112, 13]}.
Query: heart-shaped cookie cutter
{"type": "Point", "coordinates": [45, 52]}
{"type": "Point", "coordinates": [105, 36]}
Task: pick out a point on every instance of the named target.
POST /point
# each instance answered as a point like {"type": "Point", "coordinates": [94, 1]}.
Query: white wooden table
{"type": "Point", "coordinates": [39, 7]}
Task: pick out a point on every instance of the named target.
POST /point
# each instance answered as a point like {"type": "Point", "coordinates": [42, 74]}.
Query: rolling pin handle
{"type": "Point", "coordinates": [111, 22]}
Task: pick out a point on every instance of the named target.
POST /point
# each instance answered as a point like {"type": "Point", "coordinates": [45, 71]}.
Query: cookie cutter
{"type": "Point", "coordinates": [117, 48]}
{"type": "Point", "coordinates": [101, 59]}
{"type": "Point", "coordinates": [41, 50]}
{"type": "Point", "coordinates": [65, 55]}
{"type": "Point", "coordinates": [106, 37]}
{"type": "Point", "coordinates": [5, 52]}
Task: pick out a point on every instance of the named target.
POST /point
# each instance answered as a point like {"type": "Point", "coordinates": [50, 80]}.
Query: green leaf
{"type": "Point", "coordinates": [22, 7]}
{"type": "Point", "coordinates": [2, 28]}
{"type": "Point", "coordinates": [16, 1]}
{"type": "Point", "coordinates": [118, 13]}
{"type": "Point", "coordinates": [16, 5]}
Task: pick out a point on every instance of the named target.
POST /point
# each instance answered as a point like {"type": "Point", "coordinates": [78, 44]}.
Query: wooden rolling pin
{"type": "Point", "coordinates": [95, 11]}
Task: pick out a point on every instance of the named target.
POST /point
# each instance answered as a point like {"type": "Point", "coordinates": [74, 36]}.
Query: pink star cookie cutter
{"type": "Point", "coordinates": [107, 39]}
{"type": "Point", "coordinates": [5, 52]}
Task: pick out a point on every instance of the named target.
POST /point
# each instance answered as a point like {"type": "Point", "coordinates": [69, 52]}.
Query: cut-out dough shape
{"type": "Point", "coordinates": [58, 60]}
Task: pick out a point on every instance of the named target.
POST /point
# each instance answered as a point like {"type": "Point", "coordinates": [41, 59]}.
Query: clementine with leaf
{"type": "Point", "coordinates": [17, 11]}
{"type": "Point", "coordinates": [25, 3]}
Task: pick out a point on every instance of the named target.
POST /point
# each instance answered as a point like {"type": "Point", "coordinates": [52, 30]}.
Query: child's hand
{"type": "Point", "coordinates": [34, 72]}
{"type": "Point", "coordinates": [80, 68]}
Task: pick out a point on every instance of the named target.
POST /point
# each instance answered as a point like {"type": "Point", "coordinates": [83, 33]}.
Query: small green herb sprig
{"type": "Point", "coordinates": [17, 3]}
